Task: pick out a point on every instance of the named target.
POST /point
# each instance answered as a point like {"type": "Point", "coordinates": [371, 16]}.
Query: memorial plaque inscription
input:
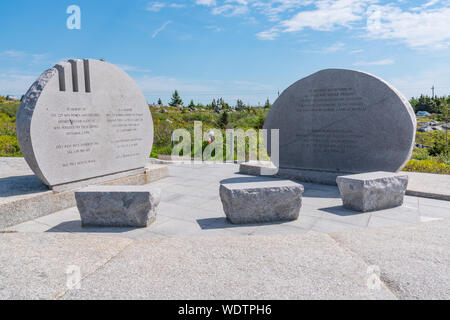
{"type": "Point", "coordinates": [84, 119]}
{"type": "Point", "coordinates": [343, 121]}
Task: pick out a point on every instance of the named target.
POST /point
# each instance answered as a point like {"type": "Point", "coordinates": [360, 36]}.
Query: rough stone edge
{"type": "Point", "coordinates": [23, 210]}
{"type": "Point", "coordinates": [395, 176]}
{"type": "Point", "coordinates": [227, 195]}
{"type": "Point", "coordinates": [154, 199]}
{"type": "Point", "coordinates": [329, 178]}
{"type": "Point", "coordinates": [24, 117]}
{"type": "Point", "coordinates": [256, 168]}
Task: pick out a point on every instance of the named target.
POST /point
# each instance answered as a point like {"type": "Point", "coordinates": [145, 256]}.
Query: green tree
{"type": "Point", "coordinates": [425, 103]}
{"type": "Point", "coordinates": [239, 105]}
{"type": "Point", "coordinates": [191, 104]}
{"type": "Point", "coordinates": [267, 105]}
{"type": "Point", "coordinates": [223, 122]}
{"type": "Point", "coordinates": [160, 102]}
{"type": "Point", "coordinates": [176, 100]}
{"type": "Point", "coordinates": [260, 121]}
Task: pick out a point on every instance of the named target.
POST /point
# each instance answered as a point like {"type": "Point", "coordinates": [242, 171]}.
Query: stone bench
{"type": "Point", "coordinates": [372, 191]}
{"type": "Point", "coordinates": [118, 206]}
{"type": "Point", "coordinates": [258, 199]}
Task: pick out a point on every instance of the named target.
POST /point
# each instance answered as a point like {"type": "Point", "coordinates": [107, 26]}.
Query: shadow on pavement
{"type": "Point", "coordinates": [340, 211]}
{"type": "Point", "coordinates": [21, 185]}
{"type": "Point", "coordinates": [75, 226]}
{"type": "Point", "coordinates": [223, 223]}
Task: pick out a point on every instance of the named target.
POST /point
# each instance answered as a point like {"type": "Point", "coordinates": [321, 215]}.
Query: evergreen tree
{"type": "Point", "coordinates": [239, 105]}
{"type": "Point", "coordinates": [191, 104]}
{"type": "Point", "coordinates": [425, 103]}
{"type": "Point", "coordinates": [224, 120]}
{"type": "Point", "coordinates": [267, 105]}
{"type": "Point", "coordinates": [160, 102]}
{"type": "Point", "coordinates": [176, 100]}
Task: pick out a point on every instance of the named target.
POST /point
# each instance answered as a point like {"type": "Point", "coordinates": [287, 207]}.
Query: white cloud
{"type": "Point", "coordinates": [13, 54]}
{"type": "Point", "coordinates": [177, 5]}
{"type": "Point", "coordinates": [163, 84]}
{"type": "Point", "coordinates": [230, 10]}
{"type": "Point", "coordinates": [329, 15]}
{"type": "Point", "coordinates": [356, 51]}
{"type": "Point", "coordinates": [254, 86]}
{"type": "Point", "coordinates": [271, 34]}
{"type": "Point", "coordinates": [417, 83]}
{"type": "Point", "coordinates": [157, 31]}
{"type": "Point", "coordinates": [428, 28]}
{"type": "Point", "coordinates": [16, 83]}
{"type": "Point", "coordinates": [273, 9]}
{"type": "Point", "coordinates": [155, 6]}
{"type": "Point", "coordinates": [430, 3]}
{"type": "Point", "coordinates": [336, 47]}
{"type": "Point", "coordinates": [21, 56]}
{"type": "Point", "coordinates": [207, 3]}
{"type": "Point", "coordinates": [132, 68]}
{"type": "Point", "coordinates": [382, 62]}
{"type": "Point", "coordinates": [214, 28]}
{"type": "Point", "coordinates": [339, 46]}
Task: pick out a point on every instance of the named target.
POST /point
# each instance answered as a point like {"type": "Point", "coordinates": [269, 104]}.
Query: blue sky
{"type": "Point", "coordinates": [246, 49]}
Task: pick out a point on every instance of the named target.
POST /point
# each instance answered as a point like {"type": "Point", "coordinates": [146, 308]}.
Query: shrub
{"type": "Point", "coordinates": [7, 125]}
{"type": "Point", "coordinates": [10, 108]}
{"type": "Point", "coordinates": [420, 154]}
{"type": "Point", "coordinates": [9, 147]}
{"type": "Point", "coordinates": [444, 158]}
{"type": "Point", "coordinates": [439, 146]}
{"type": "Point", "coordinates": [427, 166]}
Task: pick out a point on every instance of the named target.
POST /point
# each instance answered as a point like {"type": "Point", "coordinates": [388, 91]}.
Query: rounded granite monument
{"type": "Point", "coordinates": [337, 121]}
{"type": "Point", "coordinates": [84, 119]}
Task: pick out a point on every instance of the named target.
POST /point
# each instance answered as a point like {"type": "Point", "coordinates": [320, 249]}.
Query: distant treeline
{"type": "Point", "coordinates": [431, 104]}
{"type": "Point", "coordinates": [439, 105]}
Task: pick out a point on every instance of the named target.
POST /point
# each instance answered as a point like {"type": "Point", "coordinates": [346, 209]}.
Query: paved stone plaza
{"type": "Point", "coordinates": [192, 252]}
{"type": "Point", "coordinates": [191, 206]}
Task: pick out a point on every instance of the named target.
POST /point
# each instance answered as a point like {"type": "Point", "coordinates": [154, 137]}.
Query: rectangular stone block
{"type": "Point", "coordinates": [262, 168]}
{"type": "Point", "coordinates": [258, 199]}
{"type": "Point", "coordinates": [372, 191]}
{"type": "Point", "coordinates": [118, 206]}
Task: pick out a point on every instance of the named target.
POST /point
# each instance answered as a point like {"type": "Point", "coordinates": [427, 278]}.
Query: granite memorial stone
{"type": "Point", "coordinates": [341, 122]}
{"type": "Point", "coordinates": [118, 206]}
{"type": "Point", "coordinates": [84, 119]}
{"type": "Point", "coordinates": [372, 191]}
{"type": "Point", "coordinates": [256, 200]}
